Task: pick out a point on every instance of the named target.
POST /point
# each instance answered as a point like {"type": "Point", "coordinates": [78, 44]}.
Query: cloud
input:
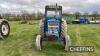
{"type": "Point", "coordinates": [38, 5]}
{"type": "Point", "coordinates": [93, 1]}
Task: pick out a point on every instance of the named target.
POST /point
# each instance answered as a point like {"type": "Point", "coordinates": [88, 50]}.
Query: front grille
{"type": "Point", "coordinates": [53, 28]}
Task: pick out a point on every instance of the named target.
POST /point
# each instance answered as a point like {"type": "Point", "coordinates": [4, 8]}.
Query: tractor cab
{"type": "Point", "coordinates": [53, 15]}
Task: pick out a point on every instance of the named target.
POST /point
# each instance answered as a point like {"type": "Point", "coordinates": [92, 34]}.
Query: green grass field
{"type": "Point", "coordinates": [21, 41]}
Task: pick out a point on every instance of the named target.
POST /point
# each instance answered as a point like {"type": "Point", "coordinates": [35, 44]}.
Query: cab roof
{"type": "Point", "coordinates": [53, 7]}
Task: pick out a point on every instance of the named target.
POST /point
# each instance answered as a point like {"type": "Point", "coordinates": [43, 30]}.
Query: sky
{"type": "Point", "coordinates": [39, 5]}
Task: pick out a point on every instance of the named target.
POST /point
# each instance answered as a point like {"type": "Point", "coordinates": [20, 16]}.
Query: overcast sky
{"type": "Point", "coordinates": [38, 5]}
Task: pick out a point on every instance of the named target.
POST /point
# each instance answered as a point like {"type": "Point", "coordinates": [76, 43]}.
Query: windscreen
{"type": "Point", "coordinates": [53, 14]}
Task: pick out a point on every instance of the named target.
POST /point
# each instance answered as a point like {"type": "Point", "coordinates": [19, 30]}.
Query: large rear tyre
{"type": "Point", "coordinates": [67, 43]}
{"type": "Point", "coordinates": [41, 24]}
{"type": "Point", "coordinates": [38, 42]}
{"type": "Point", "coordinates": [64, 28]}
{"type": "Point", "coordinates": [4, 28]}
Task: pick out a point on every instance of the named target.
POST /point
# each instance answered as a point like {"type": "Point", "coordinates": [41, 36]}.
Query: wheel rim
{"type": "Point", "coordinates": [5, 29]}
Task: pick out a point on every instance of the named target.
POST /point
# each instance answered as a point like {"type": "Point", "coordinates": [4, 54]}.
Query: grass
{"type": "Point", "coordinates": [21, 41]}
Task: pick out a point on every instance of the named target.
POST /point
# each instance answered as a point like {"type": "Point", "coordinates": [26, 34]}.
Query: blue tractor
{"type": "Point", "coordinates": [53, 27]}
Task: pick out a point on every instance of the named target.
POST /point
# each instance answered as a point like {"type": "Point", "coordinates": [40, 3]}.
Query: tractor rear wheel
{"type": "Point", "coordinates": [64, 28]}
{"type": "Point", "coordinates": [4, 28]}
{"type": "Point", "coordinates": [39, 42]}
{"type": "Point", "coordinates": [67, 42]}
{"type": "Point", "coordinates": [66, 38]}
{"type": "Point", "coordinates": [41, 24]}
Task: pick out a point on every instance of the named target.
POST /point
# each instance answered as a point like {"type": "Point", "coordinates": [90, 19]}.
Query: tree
{"type": "Point", "coordinates": [85, 15]}
{"type": "Point", "coordinates": [95, 14]}
{"type": "Point", "coordinates": [77, 15]}
{"type": "Point", "coordinates": [24, 17]}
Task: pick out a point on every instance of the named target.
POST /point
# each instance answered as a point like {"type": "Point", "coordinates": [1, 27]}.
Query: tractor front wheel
{"type": "Point", "coordinates": [38, 42]}
{"type": "Point", "coordinates": [67, 42]}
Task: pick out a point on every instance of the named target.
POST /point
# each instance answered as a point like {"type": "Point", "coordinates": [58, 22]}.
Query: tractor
{"type": "Point", "coordinates": [4, 28]}
{"type": "Point", "coordinates": [53, 27]}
